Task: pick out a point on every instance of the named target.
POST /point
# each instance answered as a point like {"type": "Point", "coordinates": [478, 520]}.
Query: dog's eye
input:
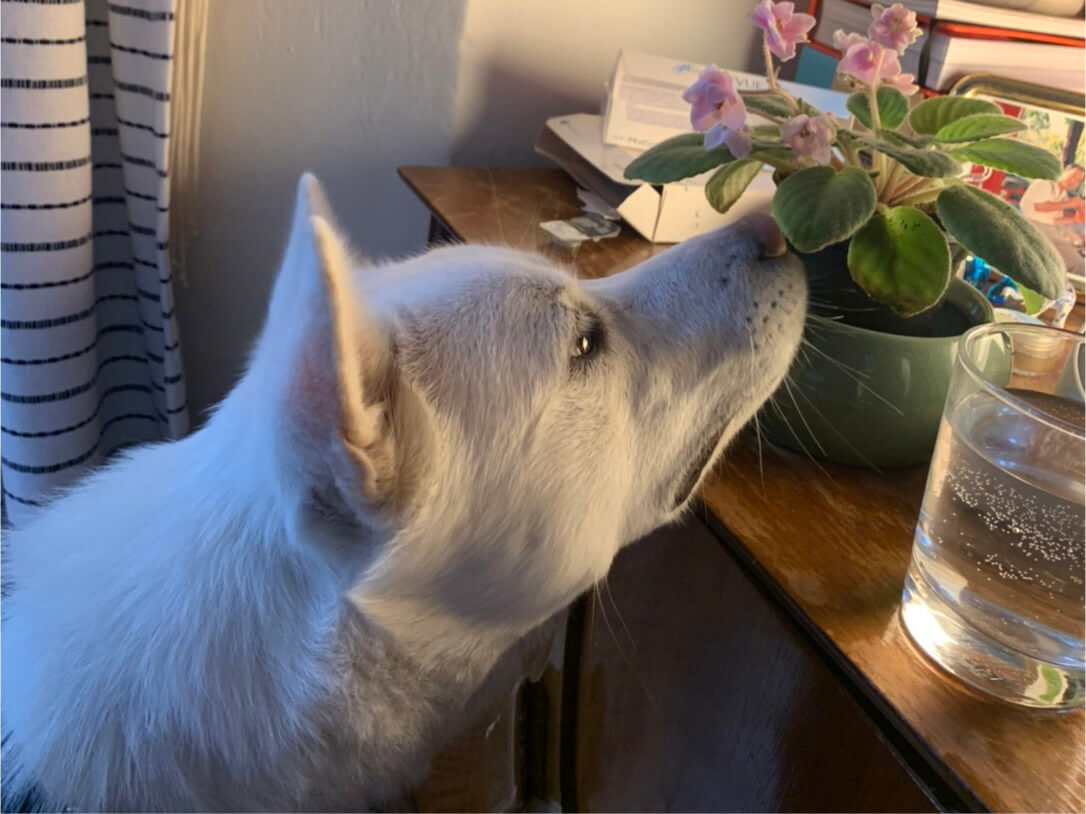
{"type": "Point", "coordinates": [585, 344]}
{"type": "Point", "coordinates": [589, 339]}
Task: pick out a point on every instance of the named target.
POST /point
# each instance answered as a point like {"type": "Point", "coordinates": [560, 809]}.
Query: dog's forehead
{"type": "Point", "coordinates": [466, 278]}
{"type": "Point", "coordinates": [466, 315]}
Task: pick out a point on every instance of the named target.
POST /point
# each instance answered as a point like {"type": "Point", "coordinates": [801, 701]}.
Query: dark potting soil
{"type": "Point", "coordinates": [835, 295]}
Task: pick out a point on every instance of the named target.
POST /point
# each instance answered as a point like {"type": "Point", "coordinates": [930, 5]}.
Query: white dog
{"type": "Point", "coordinates": [423, 461]}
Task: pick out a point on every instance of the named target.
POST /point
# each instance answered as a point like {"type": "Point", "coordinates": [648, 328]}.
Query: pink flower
{"type": "Point", "coordinates": [904, 82]}
{"type": "Point", "coordinates": [737, 141]}
{"type": "Point", "coordinates": [894, 27]}
{"type": "Point", "coordinates": [809, 138]}
{"type": "Point", "coordinates": [842, 41]}
{"type": "Point", "coordinates": [714, 100]}
{"type": "Point", "coordinates": [784, 29]}
{"type": "Point", "coordinates": [869, 62]}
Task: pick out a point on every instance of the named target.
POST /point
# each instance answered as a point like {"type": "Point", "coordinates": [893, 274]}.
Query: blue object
{"type": "Point", "coordinates": [996, 293]}
{"type": "Point", "coordinates": [979, 274]}
{"type": "Point", "coordinates": [815, 68]}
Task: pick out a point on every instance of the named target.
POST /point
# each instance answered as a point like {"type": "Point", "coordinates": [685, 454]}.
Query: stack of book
{"type": "Point", "coordinates": [961, 38]}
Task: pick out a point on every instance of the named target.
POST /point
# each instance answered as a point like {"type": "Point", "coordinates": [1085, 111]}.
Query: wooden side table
{"type": "Point", "coordinates": [759, 661]}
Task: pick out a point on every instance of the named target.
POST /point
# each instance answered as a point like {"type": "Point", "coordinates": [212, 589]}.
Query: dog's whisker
{"type": "Point", "coordinates": [836, 362]}
{"type": "Point", "coordinates": [618, 613]}
{"type": "Point", "coordinates": [803, 418]}
{"type": "Point", "coordinates": [758, 444]}
{"type": "Point", "coordinates": [757, 424]}
{"type": "Point", "coordinates": [842, 309]}
{"type": "Point", "coordinates": [799, 441]}
{"type": "Point", "coordinates": [636, 673]}
{"type": "Point", "coordinates": [855, 376]}
{"type": "Point", "coordinates": [836, 432]}
{"type": "Point", "coordinates": [598, 598]}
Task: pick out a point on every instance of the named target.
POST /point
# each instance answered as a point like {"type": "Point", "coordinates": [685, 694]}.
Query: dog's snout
{"type": "Point", "coordinates": [767, 233]}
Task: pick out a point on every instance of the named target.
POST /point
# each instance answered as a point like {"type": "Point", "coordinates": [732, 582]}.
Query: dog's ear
{"type": "Point", "coordinates": [327, 360]}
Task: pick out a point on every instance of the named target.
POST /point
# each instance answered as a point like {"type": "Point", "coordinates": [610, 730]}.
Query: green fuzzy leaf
{"type": "Point", "coordinates": [997, 233]}
{"type": "Point", "coordinates": [932, 115]}
{"type": "Point", "coordinates": [729, 182]}
{"type": "Point", "coordinates": [768, 103]}
{"type": "Point", "coordinates": [892, 107]}
{"type": "Point", "coordinates": [818, 206]}
{"type": "Point", "coordinates": [928, 163]}
{"type": "Point", "coordinates": [978, 126]}
{"type": "Point", "coordinates": [766, 132]}
{"type": "Point", "coordinates": [901, 140]}
{"type": "Point", "coordinates": [675, 159]}
{"type": "Point", "coordinates": [1013, 156]}
{"type": "Point", "coordinates": [900, 258]}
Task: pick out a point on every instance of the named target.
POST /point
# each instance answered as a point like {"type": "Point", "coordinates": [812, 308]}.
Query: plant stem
{"type": "Point", "coordinates": [910, 188]}
{"type": "Point", "coordinates": [877, 162]}
{"type": "Point", "coordinates": [890, 178]}
{"type": "Point", "coordinates": [770, 74]}
{"type": "Point", "coordinates": [922, 197]}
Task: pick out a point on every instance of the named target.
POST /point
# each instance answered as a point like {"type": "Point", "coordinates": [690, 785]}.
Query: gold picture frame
{"type": "Point", "coordinates": [1014, 90]}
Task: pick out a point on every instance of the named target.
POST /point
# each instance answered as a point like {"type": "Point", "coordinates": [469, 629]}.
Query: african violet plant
{"type": "Point", "coordinates": [887, 180]}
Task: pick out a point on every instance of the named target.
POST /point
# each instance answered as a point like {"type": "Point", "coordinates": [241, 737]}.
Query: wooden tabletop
{"type": "Point", "coordinates": [832, 543]}
{"type": "Point", "coordinates": [507, 206]}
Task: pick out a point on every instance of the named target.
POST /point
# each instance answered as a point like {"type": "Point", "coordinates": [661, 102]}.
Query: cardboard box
{"type": "Point", "coordinates": [644, 106]}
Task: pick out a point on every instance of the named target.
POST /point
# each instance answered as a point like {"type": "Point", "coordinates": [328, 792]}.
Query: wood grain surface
{"type": "Point", "coordinates": [831, 543]}
{"type": "Point", "coordinates": [506, 207]}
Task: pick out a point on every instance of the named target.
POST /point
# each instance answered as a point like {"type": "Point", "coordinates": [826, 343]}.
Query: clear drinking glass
{"type": "Point", "coordinates": [994, 593]}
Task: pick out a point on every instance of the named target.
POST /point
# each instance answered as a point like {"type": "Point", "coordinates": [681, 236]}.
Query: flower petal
{"type": "Point", "coordinates": [738, 142]}
{"type": "Point", "coordinates": [714, 137]}
{"type": "Point", "coordinates": [733, 114]}
{"type": "Point", "coordinates": [762, 15]}
{"type": "Point", "coordinates": [793, 126]}
{"type": "Point", "coordinates": [796, 29]}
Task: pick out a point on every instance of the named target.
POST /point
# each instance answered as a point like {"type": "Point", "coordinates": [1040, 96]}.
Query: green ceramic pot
{"type": "Point", "coordinates": [858, 394]}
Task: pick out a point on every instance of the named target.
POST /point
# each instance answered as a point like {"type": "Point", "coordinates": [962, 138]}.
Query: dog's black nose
{"type": "Point", "coordinates": [767, 233]}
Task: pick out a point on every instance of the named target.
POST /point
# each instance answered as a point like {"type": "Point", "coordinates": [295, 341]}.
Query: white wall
{"type": "Point", "coordinates": [522, 61]}
{"type": "Point", "coordinates": [346, 88]}
{"type": "Point", "coordinates": [352, 88]}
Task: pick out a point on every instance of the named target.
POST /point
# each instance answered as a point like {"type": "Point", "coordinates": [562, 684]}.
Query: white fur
{"type": "Point", "coordinates": [289, 608]}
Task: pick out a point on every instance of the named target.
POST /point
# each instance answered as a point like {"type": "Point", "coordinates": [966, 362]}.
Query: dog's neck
{"type": "Point", "coordinates": [439, 641]}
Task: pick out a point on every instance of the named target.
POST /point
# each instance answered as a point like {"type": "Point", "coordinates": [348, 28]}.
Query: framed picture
{"type": "Point", "coordinates": [1055, 121]}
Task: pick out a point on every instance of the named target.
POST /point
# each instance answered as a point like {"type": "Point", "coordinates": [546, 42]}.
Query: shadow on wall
{"type": "Point", "coordinates": [347, 90]}
{"type": "Point", "coordinates": [516, 103]}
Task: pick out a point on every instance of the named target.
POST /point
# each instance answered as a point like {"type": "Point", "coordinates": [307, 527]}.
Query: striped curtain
{"type": "Point", "coordinates": [91, 358]}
